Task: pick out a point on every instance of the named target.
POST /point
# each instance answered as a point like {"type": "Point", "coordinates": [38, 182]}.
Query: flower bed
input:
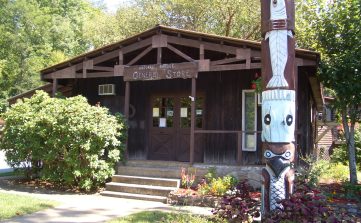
{"type": "Point", "coordinates": [189, 197]}
{"type": "Point", "coordinates": [193, 198]}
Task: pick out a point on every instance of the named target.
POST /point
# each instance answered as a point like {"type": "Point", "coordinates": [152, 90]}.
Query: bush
{"type": "Point", "coordinates": [340, 154]}
{"type": "Point", "coordinates": [237, 205]}
{"type": "Point", "coordinates": [66, 141]}
{"type": "Point", "coordinates": [214, 185]}
{"type": "Point", "coordinates": [314, 171]}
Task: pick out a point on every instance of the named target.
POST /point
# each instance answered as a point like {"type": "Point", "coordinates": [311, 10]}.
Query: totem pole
{"type": "Point", "coordinates": [278, 101]}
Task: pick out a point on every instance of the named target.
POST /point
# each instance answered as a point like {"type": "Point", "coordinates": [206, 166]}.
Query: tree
{"type": "Point", "coordinates": [35, 34]}
{"type": "Point", "coordinates": [339, 40]}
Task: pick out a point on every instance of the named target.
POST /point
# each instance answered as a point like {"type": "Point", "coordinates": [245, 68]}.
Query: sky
{"type": "Point", "coordinates": [112, 5]}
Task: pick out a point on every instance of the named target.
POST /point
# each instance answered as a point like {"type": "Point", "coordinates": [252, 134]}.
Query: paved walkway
{"type": "Point", "coordinates": [87, 208]}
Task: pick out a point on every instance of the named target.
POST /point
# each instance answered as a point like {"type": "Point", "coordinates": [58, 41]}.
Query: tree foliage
{"type": "Point", "coordinates": [68, 140]}
{"type": "Point", "coordinates": [339, 40]}
{"type": "Point", "coordinates": [341, 153]}
{"type": "Point", "coordinates": [35, 34]}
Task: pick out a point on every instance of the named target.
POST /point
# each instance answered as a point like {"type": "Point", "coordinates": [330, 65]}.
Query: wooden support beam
{"type": "Point", "coordinates": [248, 58]}
{"type": "Point", "coordinates": [226, 61]}
{"type": "Point", "coordinates": [201, 52]}
{"type": "Point", "coordinates": [138, 45]}
{"type": "Point", "coordinates": [101, 68]}
{"type": "Point", "coordinates": [139, 56]}
{"type": "Point", "coordinates": [305, 62]}
{"type": "Point", "coordinates": [207, 45]}
{"type": "Point", "coordinates": [119, 70]}
{"type": "Point", "coordinates": [126, 112]}
{"type": "Point", "coordinates": [203, 65]}
{"type": "Point", "coordinates": [107, 56]}
{"type": "Point", "coordinates": [55, 87]}
{"type": "Point", "coordinates": [159, 41]}
{"type": "Point", "coordinates": [126, 99]}
{"type": "Point", "coordinates": [193, 113]}
{"type": "Point", "coordinates": [180, 53]}
{"type": "Point", "coordinates": [239, 149]}
{"type": "Point", "coordinates": [121, 57]}
{"type": "Point", "coordinates": [234, 67]}
{"type": "Point", "coordinates": [100, 74]}
{"type": "Point", "coordinates": [159, 55]}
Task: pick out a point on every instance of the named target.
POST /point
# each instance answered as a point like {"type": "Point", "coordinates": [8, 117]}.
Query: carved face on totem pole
{"type": "Point", "coordinates": [278, 112]}
{"type": "Point", "coordinates": [278, 101]}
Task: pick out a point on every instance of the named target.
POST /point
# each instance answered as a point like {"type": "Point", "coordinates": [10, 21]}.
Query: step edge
{"type": "Point", "coordinates": [141, 186]}
{"type": "Point", "coordinates": [147, 178]}
{"type": "Point", "coordinates": [132, 194]}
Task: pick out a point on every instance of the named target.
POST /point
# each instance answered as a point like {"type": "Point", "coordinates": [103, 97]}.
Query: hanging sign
{"type": "Point", "coordinates": [161, 71]}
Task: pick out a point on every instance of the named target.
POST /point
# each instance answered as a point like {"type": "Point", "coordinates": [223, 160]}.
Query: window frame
{"type": "Point", "coordinates": [244, 148]}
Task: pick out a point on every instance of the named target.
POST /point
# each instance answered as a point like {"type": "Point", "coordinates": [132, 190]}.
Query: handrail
{"type": "Point", "coordinates": [224, 131]}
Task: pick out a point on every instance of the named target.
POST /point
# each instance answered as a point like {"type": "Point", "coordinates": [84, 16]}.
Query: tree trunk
{"type": "Point", "coordinates": [350, 142]}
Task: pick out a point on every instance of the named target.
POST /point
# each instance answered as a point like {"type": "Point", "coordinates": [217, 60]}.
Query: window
{"type": "Point", "coordinates": [163, 112]}
{"type": "Point", "coordinates": [249, 120]}
{"type": "Point", "coordinates": [106, 89]}
{"type": "Point", "coordinates": [185, 112]}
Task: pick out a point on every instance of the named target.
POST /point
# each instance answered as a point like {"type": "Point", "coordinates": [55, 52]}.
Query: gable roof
{"type": "Point", "coordinates": [301, 53]}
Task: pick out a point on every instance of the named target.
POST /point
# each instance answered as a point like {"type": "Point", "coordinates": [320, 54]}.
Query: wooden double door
{"type": "Point", "coordinates": [170, 127]}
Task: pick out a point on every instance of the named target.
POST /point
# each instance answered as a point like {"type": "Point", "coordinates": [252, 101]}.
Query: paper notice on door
{"type": "Point", "coordinates": [162, 122]}
{"type": "Point", "coordinates": [155, 112]}
{"type": "Point", "coordinates": [184, 112]}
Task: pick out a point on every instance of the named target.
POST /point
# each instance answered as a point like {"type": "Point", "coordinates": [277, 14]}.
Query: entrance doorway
{"type": "Point", "coordinates": [170, 127]}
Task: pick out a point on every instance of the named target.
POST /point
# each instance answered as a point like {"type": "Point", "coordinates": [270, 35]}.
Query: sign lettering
{"type": "Point", "coordinates": [161, 71]}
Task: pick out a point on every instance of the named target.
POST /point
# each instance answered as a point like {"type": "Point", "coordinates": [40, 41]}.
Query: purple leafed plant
{"type": "Point", "coordinates": [304, 205]}
{"type": "Point", "coordinates": [237, 205]}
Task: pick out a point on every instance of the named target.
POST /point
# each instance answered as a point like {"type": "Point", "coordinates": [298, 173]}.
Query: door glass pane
{"type": "Point", "coordinates": [199, 112]}
{"type": "Point", "coordinates": [185, 112]}
{"type": "Point", "coordinates": [163, 112]}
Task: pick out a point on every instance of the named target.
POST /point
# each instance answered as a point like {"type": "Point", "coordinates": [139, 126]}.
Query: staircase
{"type": "Point", "coordinates": [145, 180]}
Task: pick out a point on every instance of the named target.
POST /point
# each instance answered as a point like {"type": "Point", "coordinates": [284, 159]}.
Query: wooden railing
{"type": "Point", "coordinates": [239, 138]}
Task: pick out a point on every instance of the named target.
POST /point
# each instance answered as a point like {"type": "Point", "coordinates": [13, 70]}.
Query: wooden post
{"type": "Point", "coordinates": [126, 113]}
{"type": "Point", "coordinates": [193, 111]}
{"type": "Point", "coordinates": [126, 100]}
{"type": "Point", "coordinates": [239, 148]}
{"type": "Point", "coordinates": [201, 52]}
{"type": "Point", "coordinates": [278, 101]}
{"type": "Point", "coordinates": [55, 87]}
{"type": "Point", "coordinates": [159, 55]}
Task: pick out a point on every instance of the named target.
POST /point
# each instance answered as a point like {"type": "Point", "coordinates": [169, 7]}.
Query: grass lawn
{"type": "Point", "coordinates": [164, 217]}
{"type": "Point", "coordinates": [13, 205]}
{"type": "Point", "coordinates": [7, 174]}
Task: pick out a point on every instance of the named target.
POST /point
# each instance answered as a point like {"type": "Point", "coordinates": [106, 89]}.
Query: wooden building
{"type": "Point", "coordinates": [187, 95]}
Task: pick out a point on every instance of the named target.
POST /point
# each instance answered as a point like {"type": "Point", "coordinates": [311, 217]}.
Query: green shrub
{"type": "Point", "coordinates": [340, 154]}
{"type": "Point", "coordinates": [66, 141]}
{"type": "Point", "coordinates": [217, 186]}
{"type": "Point", "coordinates": [322, 170]}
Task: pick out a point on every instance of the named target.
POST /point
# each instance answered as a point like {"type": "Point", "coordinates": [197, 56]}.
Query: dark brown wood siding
{"type": "Point", "coordinates": [222, 111]}
{"type": "Point", "coordinates": [89, 88]}
{"type": "Point", "coordinates": [304, 107]}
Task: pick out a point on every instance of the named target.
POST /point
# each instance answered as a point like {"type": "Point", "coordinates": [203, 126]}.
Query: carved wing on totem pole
{"type": "Point", "coordinates": [278, 100]}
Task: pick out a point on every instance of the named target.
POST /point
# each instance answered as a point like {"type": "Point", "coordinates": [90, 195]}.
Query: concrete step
{"type": "Point", "coordinates": [149, 171]}
{"type": "Point", "coordinates": [139, 189]}
{"type": "Point", "coordinates": [152, 181]}
{"type": "Point", "coordinates": [134, 196]}
{"type": "Point", "coordinates": [160, 172]}
{"type": "Point", "coordinates": [156, 163]}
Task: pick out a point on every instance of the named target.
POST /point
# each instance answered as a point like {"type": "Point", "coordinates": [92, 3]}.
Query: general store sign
{"type": "Point", "coordinates": [161, 71]}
